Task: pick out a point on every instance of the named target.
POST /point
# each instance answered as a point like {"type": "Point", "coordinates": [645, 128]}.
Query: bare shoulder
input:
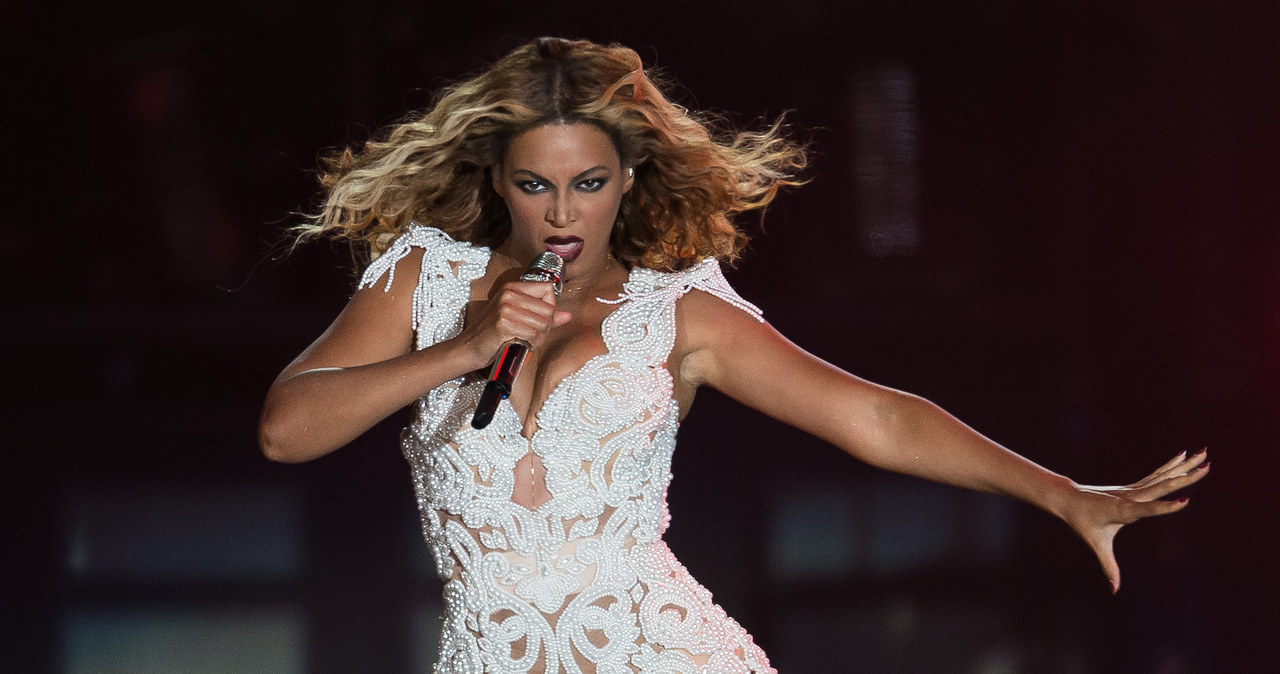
{"type": "Point", "coordinates": [707, 327]}
{"type": "Point", "coordinates": [699, 313]}
{"type": "Point", "coordinates": [375, 325]}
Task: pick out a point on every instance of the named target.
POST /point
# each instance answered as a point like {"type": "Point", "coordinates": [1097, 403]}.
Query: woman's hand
{"type": "Point", "coordinates": [523, 310]}
{"type": "Point", "coordinates": [1097, 513]}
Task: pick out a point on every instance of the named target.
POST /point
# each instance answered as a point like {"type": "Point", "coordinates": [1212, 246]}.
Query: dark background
{"type": "Point", "coordinates": [1055, 219]}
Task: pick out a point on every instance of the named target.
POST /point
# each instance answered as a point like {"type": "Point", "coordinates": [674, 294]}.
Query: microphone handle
{"type": "Point", "coordinates": [505, 368]}
{"type": "Point", "coordinates": [545, 267]}
{"type": "Point", "coordinates": [488, 405]}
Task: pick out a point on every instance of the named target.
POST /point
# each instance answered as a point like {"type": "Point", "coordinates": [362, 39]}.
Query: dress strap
{"type": "Point", "coordinates": [444, 283]}
{"type": "Point", "coordinates": [705, 276]}
{"type": "Point", "coordinates": [644, 324]}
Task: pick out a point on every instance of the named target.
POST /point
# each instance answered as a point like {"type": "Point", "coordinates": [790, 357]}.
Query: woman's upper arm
{"type": "Point", "coordinates": [375, 325]}
{"type": "Point", "coordinates": [751, 362]}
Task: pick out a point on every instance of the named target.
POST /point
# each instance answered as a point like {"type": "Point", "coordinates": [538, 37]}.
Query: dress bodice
{"type": "Point", "coordinates": [582, 581]}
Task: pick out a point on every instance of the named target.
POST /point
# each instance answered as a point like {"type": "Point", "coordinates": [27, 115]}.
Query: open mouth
{"type": "Point", "coordinates": [567, 247]}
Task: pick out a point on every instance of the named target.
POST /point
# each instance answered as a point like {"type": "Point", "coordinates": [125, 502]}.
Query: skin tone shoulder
{"type": "Point", "coordinates": [562, 184]}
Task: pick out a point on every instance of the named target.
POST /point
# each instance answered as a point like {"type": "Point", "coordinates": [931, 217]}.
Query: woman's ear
{"type": "Point", "coordinates": [630, 180]}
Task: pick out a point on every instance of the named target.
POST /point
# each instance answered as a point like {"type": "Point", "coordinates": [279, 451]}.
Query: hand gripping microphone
{"type": "Point", "coordinates": [545, 267]}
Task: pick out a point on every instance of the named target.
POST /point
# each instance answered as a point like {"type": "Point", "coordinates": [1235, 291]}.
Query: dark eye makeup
{"type": "Point", "coordinates": [531, 186]}
{"type": "Point", "coordinates": [584, 185]}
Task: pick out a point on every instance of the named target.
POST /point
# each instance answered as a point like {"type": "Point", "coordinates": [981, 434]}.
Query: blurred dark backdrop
{"type": "Point", "coordinates": [1055, 219]}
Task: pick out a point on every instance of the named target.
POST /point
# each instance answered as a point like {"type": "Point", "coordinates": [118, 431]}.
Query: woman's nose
{"type": "Point", "coordinates": [561, 211]}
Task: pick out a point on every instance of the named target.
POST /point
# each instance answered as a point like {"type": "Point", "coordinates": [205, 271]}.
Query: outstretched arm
{"type": "Point", "coordinates": [754, 364]}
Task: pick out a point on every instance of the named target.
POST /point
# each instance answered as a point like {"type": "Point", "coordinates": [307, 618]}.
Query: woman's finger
{"type": "Point", "coordinates": [1157, 508]}
{"type": "Point", "coordinates": [1170, 484]}
{"type": "Point", "coordinates": [1103, 548]}
{"type": "Point", "coordinates": [527, 293]}
{"type": "Point", "coordinates": [545, 305]}
{"type": "Point", "coordinates": [1179, 465]}
{"type": "Point", "coordinates": [1182, 456]}
{"type": "Point", "coordinates": [1191, 463]}
{"type": "Point", "coordinates": [529, 324]}
{"type": "Point", "coordinates": [543, 291]}
{"type": "Point", "coordinates": [1133, 511]}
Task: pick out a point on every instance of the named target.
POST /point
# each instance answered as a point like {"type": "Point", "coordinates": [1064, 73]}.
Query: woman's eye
{"type": "Point", "coordinates": [591, 184]}
{"type": "Point", "coordinates": [531, 186]}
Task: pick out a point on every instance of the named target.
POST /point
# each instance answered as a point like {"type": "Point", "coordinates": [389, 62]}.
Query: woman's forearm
{"type": "Point", "coordinates": [916, 437]}
{"type": "Point", "coordinates": [314, 412]}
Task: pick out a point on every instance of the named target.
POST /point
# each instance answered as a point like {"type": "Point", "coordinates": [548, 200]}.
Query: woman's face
{"type": "Point", "coordinates": [562, 184]}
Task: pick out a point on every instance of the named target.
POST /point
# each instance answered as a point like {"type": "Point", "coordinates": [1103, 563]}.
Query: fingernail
{"type": "Point", "coordinates": [1114, 588]}
{"type": "Point", "coordinates": [1202, 451]}
{"type": "Point", "coordinates": [1204, 467]}
{"type": "Point", "coordinates": [1183, 499]}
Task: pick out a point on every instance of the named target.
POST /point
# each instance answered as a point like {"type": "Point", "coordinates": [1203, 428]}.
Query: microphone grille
{"type": "Point", "coordinates": [546, 266]}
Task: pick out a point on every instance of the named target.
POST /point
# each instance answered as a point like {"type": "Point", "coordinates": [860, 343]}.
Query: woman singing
{"type": "Point", "coordinates": [546, 524]}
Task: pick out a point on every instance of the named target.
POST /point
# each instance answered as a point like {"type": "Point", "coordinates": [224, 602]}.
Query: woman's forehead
{"type": "Point", "coordinates": [567, 148]}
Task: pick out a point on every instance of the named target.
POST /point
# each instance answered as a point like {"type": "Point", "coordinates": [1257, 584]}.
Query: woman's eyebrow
{"type": "Point", "coordinates": [542, 179]}
{"type": "Point", "coordinates": [583, 174]}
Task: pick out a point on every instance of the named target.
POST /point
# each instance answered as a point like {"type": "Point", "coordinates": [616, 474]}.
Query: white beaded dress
{"type": "Point", "coordinates": [583, 582]}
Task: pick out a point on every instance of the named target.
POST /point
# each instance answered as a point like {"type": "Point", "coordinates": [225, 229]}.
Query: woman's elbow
{"type": "Point", "coordinates": [275, 441]}
{"type": "Point", "coordinates": [891, 425]}
{"type": "Point", "coordinates": [897, 411]}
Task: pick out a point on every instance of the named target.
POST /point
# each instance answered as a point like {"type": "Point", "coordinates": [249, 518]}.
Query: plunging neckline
{"type": "Point", "coordinates": [536, 417]}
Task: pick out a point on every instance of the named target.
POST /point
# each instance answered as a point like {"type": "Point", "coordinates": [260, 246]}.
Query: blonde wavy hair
{"type": "Point", "coordinates": [690, 179]}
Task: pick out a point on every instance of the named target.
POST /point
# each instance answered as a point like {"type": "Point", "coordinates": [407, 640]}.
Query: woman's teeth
{"type": "Point", "coordinates": [567, 248]}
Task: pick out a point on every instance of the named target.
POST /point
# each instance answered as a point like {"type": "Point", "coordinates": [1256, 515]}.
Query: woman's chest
{"type": "Point", "coordinates": [580, 369]}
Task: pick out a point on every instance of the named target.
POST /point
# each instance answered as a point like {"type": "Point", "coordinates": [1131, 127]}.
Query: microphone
{"type": "Point", "coordinates": [506, 365]}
